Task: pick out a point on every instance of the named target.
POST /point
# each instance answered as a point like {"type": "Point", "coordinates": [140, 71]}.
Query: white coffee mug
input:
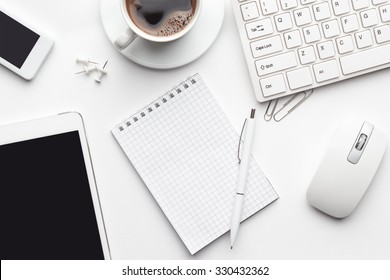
{"type": "Point", "coordinates": [133, 31]}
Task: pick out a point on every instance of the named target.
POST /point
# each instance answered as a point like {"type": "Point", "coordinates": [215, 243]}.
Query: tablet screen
{"type": "Point", "coordinates": [46, 207]}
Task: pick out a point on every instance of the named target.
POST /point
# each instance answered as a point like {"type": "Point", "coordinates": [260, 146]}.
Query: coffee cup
{"type": "Point", "coordinates": [157, 20]}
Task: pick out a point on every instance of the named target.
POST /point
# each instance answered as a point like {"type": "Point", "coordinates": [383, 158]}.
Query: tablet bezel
{"type": "Point", "coordinates": [58, 124]}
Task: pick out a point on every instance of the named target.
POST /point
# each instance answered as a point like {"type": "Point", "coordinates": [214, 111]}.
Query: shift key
{"type": "Point", "coordinates": [275, 63]}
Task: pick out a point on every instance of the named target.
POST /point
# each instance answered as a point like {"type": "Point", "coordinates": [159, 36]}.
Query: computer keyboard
{"type": "Point", "coordinates": [295, 45]}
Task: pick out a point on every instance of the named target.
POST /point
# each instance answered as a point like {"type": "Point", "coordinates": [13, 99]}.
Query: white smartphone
{"type": "Point", "coordinates": [22, 48]}
{"type": "Point", "coordinates": [49, 202]}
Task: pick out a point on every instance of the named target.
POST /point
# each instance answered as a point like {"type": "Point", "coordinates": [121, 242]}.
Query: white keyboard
{"type": "Point", "coordinates": [295, 45]}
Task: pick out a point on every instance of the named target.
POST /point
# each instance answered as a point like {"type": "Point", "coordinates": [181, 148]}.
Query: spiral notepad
{"type": "Point", "coordinates": [185, 150]}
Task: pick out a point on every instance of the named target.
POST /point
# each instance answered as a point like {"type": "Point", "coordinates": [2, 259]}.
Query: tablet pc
{"type": "Point", "coordinates": [49, 202]}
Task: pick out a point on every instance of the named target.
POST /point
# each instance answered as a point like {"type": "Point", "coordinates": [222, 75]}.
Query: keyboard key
{"type": "Point", "coordinates": [293, 39]}
{"type": "Point", "coordinates": [326, 49]}
{"type": "Point", "coordinates": [304, 2]}
{"type": "Point", "coordinates": [288, 4]}
{"type": "Point", "coordinates": [365, 60]}
{"type": "Point", "coordinates": [283, 22]}
{"type": "Point", "coordinates": [302, 16]}
{"type": "Point", "coordinates": [345, 44]}
{"type": "Point", "coordinates": [249, 11]}
{"type": "Point", "coordinates": [384, 11]}
{"type": "Point", "coordinates": [331, 28]}
{"type": "Point", "coordinates": [266, 46]}
{"type": "Point", "coordinates": [299, 78]}
{"type": "Point", "coordinates": [269, 6]}
{"type": "Point", "coordinates": [369, 18]}
{"type": "Point", "coordinates": [306, 55]}
{"type": "Point", "coordinates": [360, 4]}
{"type": "Point", "coordinates": [275, 63]}
{"type": "Point", "coordinates": [311, 34]}
{"type": "Point", "coordinates": [363, 39]}
{"type": "Point", "coordinates": [326, 71]}
{"type": "Point", "coordinates": [350, 23]}
{"type": "Point", "coordinates": [377, 2]}
{"type": "Point", "coordinates": [273, 85]}
{"type": "Point", "coordinates": [340, 7]}
{"type": "Point", "coordinates": [321, 11]}
{"type": "Point", "coordinates": [259, 28]}
{"type": "Point", "coordinates": [382, 34]}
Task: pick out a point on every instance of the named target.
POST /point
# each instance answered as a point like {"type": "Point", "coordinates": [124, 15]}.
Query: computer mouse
{"type": "Point", "coordinates": [347, 168]}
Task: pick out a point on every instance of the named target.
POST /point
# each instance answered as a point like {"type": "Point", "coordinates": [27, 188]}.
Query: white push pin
{"type": "Point", "coordinates": [85, 61]}
{"type": "Point", "coordinates": [101, 72]}
{"type": "Point", "coordinates": [88, 69]}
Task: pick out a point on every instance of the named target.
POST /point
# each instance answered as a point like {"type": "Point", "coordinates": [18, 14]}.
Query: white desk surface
{"type": "Point", "coordinates": [287, 151]}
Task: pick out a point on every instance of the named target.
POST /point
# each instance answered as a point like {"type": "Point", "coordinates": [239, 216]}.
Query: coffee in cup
{"type": "Point", "coordinates": [161, 17]}
{"type": "Point", "coordinates": [157, 20]}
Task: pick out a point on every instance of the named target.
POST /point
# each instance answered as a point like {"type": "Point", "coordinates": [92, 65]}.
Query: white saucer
{"type": "Point", "coordinates": [166, 55]}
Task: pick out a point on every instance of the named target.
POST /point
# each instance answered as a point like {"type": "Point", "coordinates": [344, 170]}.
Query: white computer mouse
{"type": "Point", "coordinates": [347, 168]}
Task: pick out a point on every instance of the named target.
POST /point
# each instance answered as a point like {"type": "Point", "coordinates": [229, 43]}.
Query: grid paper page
{"type": "Point", "coordinates": [185, 150]}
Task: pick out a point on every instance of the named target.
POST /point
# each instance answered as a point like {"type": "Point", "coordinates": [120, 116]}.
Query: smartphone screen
{"type": "Point", "coordinates": [46, 207]}
{"type": "Point", "coordinates": [16, 40]}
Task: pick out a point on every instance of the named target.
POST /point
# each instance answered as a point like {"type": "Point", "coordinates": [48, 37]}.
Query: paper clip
{"type": "Point", "coordinates": [239, 142]}
{"type": "Point", "coordinates": [287, 107]}
{"type": "Point", "coordinates": [268, 115]}
{"type": "Point", "coordinates": [302, 97]}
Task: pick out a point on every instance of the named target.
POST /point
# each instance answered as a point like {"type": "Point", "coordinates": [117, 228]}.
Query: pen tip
{"type": "Point", "coordinates": [231, 247]}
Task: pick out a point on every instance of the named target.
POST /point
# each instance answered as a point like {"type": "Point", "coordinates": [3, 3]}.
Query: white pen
{"type": "Point", "coordinates": [242, 176]}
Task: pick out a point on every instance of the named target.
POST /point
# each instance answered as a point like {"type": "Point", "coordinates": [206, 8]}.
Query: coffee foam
{"type": "Point", "coordinates": [174, 24]}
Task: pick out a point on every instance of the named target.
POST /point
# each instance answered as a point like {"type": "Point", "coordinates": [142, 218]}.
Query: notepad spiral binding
{"type": "Point", "coordinates": [157, 103]}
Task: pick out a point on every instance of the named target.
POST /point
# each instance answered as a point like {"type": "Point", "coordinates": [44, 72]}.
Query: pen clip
{"type": "Point", "coordinates": [239, 142]}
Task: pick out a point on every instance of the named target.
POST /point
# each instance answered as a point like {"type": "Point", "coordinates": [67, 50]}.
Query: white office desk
{"type": "Point", "coordinates": [287, 151]}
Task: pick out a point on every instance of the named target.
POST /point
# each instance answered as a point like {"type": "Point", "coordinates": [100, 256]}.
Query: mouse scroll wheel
{"type": "Point", "coordinates": [361, 142]}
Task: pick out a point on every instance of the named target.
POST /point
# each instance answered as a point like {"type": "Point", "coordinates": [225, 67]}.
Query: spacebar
{"type": "Point", "coordinates": [365, 59]}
